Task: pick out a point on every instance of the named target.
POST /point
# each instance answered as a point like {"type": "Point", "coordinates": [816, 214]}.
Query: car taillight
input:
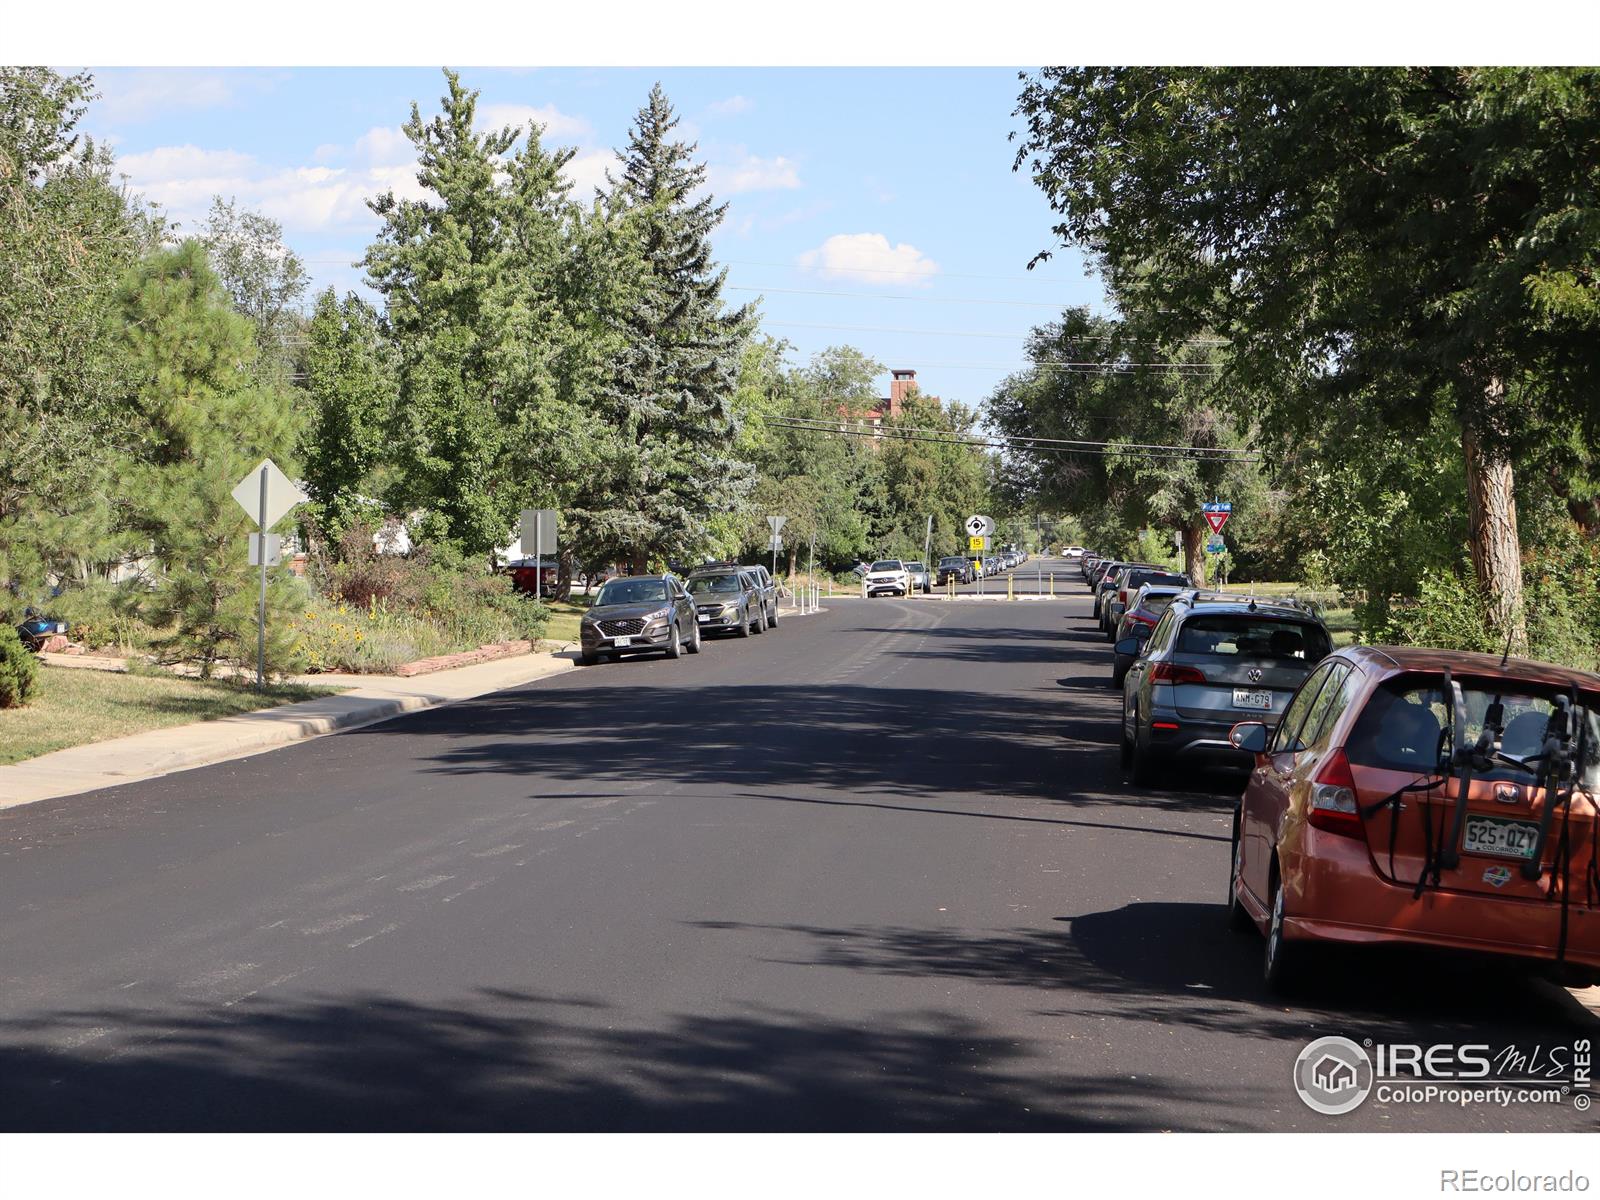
{"type": "Point", "coordinates": [1334, 808]}
{"type": "Point", "coordinates": [1134, 616]}
{"type": "Point", "coordinates": [1165, 672]}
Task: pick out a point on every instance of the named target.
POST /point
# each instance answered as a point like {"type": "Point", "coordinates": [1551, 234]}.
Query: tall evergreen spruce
{"type": "Point", "coordinates": [672, 389]}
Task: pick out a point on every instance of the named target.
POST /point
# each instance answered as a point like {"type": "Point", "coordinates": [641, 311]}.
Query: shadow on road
{"type": "Point", "coordinates": [502, 1060]}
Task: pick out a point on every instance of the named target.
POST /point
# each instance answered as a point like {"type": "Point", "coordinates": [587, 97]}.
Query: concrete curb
{"type": "Point", "coordinates": [160, 752]}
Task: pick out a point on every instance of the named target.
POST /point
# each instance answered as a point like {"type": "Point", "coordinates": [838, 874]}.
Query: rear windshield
{"type": "Point", "coordinates": [631, 591]}
{"type": "Point", "coordinates": [1140, 578]}
{"type": "Point", "coordinates": [915, 566]}
{"type": "Point", "coordinates": [952, 562]}
{"type": "Point", "coordinates": [1403, 723]}
{"type": "Point", "coordinates": [887, 564]}
{"type": "Point", "coordinates": [702, 585]}
{"type": "Point", "coordinates": [1155, 605]}
{"type": "Point", "coordinates": [1244, 636]}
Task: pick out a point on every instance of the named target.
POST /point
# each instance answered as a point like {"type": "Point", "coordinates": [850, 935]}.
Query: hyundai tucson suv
{"type": "Point", "coordinates": [639, 613]}
{"type": "Point", "coordinates": [1208, 665]}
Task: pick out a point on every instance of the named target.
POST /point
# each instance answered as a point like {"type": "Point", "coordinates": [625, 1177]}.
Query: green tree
{"type": "Point", "coordinates": [1406, 238]}
{"type": "Point", "coordinates": [204, 420]}
{"type": "Point", "coordinates": [674, 376]}
{"type": "Point", "coordinates": [933, 465]}
{"type": "Point", "coordinates": [67, 234]}
{"type": "Point", "coordinates": [266, 279]}
{"type": "Point", "coordinates": [441, 265]}
{"type": "Point", "coordinates": [350, 378]}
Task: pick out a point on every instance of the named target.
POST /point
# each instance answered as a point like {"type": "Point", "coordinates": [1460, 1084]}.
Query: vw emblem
{"type": "Point", "coordinates": [1255, 674]}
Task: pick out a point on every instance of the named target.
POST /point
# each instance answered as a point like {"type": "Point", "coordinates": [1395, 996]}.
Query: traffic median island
{"type": "Point", "coordinates": [360, 700]}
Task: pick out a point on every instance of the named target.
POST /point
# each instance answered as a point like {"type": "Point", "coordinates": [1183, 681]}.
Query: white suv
{"type": "Point", "coordinates": [888, 575]}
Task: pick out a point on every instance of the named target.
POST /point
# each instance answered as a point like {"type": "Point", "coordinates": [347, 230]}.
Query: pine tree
{"type": "Point", "coordinates": [672, 383]}
{"type": "Point", "coordinates": [203, 421]}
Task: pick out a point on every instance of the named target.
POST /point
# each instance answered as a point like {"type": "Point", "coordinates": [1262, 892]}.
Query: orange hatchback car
{"type": "Point", "coordinates": [1425, 797]}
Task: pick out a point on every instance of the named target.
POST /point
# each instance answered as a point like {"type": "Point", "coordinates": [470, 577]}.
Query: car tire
{"type": "Point", "coordinates": [1146, 765]}
{"type": "Point", "coordinates": [772, 621]}
{"type": "Point", "coordinates": [587, 658]}
{"type": "Point", "coordinates": [675, 642]}
{"type": "Point", "coordinates": [694, 642]}
{"type": "Point", "coordinates": [744, 626]}
{"type": "Point", "coordinates": [1283, 965]}
{"type": "Point", "coordinates": [1239, 918]}
{"type": "Point", "coordinates": [1118, 675]}
{"type": "Point", "coordinates": [761, 620]}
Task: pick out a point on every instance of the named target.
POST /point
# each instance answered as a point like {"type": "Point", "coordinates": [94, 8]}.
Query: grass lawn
{"type": "Point", "coordinates": [564, 618]}
{"type": "Point", "coordinates": [74, 707]}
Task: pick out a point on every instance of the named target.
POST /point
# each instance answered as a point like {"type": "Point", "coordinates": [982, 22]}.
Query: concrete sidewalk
{"type": "Point", "coordinates": [162, 751]}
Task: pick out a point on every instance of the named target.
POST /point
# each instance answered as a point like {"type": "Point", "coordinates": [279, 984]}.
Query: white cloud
{"type": "Point", "coordinates": [557, 124]}
{"type": "Point", "coordinates": [183, 179]}
{"type": "Point", "coordinates": [385, 145]}
{"type": "Point", "coordinates": [869, 258]}
{"type": "Point", "coordinates": [732, 106]}
{"type": "Point", "coordinates": [753, 174]}
{"type": "Point", "coordinates": [587, 171]}
{"type": "Point", "coordinates": [140, 95]}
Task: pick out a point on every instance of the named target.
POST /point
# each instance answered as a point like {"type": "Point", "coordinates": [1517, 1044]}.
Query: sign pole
{"type": "Point", "coordinates": [538, 558]}
{"type": "Point", "coordinates": [261, 605]}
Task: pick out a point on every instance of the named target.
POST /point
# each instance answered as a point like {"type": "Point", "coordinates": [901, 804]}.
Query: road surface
{"type": "Point", "coordinates": [875, 870]}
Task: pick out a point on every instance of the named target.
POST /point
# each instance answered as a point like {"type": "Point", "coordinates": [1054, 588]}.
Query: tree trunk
{"type": "Point", "coordinates": [794, 552]}
{"type": "Point", "coordinates": [564, 575]}
{"type": "Point", "coordinates": [1194, 553]}
{"type": "Point", "coordinates": [1492, 533]}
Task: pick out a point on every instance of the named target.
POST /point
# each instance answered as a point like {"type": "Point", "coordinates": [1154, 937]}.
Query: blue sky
{"type": "Point", "coordinates": [891, 188]}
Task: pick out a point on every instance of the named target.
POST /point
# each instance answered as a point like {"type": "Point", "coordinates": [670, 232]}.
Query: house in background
{"type": "Point", "coordinates": [901, 382]}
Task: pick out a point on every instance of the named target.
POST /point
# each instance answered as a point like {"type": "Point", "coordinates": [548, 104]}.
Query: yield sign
{"type": "Point", "coordinates": [1217, 515]}
{"type": "Point", "coordinates": [282, 495]}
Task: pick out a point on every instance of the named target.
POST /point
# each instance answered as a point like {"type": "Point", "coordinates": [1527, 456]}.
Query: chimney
{"type": "Point", "coordinates": [902, 380]}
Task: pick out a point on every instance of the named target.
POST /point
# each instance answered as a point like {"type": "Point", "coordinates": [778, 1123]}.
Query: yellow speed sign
{"type": "Point", "coordinates": [976, 544]}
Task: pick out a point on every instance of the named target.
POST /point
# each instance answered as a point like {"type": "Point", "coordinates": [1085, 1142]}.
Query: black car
{"type": "Point", "coordinates": [639, 613]}
{"type": "Point", "coordinates": [727, 600]}
{"type": "Point", "coordinates": [954, 567]}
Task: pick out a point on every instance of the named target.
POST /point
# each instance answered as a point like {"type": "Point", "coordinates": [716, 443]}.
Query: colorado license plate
{"type": "Point", "coordinates": [623, 641]}
{"type": "Point", "coordinates": [1245, 698]}
{"type": "Point", "coordinates": [703, 617]}
{"type": "Point", "coordinates": [1499, 837]}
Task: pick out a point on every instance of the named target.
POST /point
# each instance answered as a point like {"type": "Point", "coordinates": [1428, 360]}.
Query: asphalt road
{"type": "Point", "coordinates": [877, 869]}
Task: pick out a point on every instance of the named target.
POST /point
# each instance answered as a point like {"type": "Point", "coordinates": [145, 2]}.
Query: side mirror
{"type": "Point", "coordinates": [1249, 736]}
{"type": "Point", "coordinates": [1130, 647]}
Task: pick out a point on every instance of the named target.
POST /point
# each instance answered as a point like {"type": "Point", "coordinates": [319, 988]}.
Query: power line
{"type": "Point", "coordinates": [968, 333]}
{"type": "Point", "coordinates": [890, 296]}
{"type": "Point", "coordinates": [1029, 278]}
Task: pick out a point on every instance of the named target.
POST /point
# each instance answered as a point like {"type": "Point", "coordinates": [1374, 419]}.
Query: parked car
{"type": "Point", "coordinates": [1128, 581]}
{"type": "Point", "coordinates": [888, 576]}
{"type": "Point", "coordinates": [727, 600]}
{"type": "Point", "coordinates": [1138, 623]}
{"type": "Point", "coordinates": [920, 580]}
{"type": "Point", "coordinates": [1207, 665]}
{"type": "Point", "coordinates": [639, 613]}
{"type": "Point", "coordinates": [953, 567]}
{"type": "Point", "coordinates": [524, 570]}
{"type": "Point", "coordinates": [1073, 553]}
{"type": "Point", "coordinates": [768, 587]}
{"type": "Point", "coordinates": [1101, 587]}
{"type": "Point", "coordinates": [1429, 798]}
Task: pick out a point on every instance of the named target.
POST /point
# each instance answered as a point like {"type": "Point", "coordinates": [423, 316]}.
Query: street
{"type": "Point", "coordinates": [877, 869]}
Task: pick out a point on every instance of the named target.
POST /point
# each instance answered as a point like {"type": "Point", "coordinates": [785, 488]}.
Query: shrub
{"type": "Point", "coordinates": [19, 673]}
{"type": "Point", "coordinates": [1448, 613]}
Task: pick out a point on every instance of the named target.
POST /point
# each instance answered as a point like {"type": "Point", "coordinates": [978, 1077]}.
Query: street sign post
{"type": "Point", "coordinates": [980, 526]}
{"type": "Point", "coordinates": [274, 549]}
{"type": "Point", "coordinates": [977, 545]}
{"type": "Point", "coordinates": [538, 528]}
{"type": "Point", "coordinates": [266, 495]}
{"type": "Point", "coordinates": [1216, 514]}
{"type": "Point", "coordinates": [1215, 545]}
{"type": "Point", "coordinates": [776, 523]}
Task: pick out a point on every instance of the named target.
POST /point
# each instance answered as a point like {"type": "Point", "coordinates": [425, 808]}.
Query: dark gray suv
{"type": "Point", "coordinates": [1209, 664]}
{"type": "Point", "coordinates": [639, 613]}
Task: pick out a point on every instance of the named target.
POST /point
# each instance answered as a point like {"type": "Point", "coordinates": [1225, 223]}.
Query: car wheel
{"type": "Point", "coordinates": [773, 619]}
{"type": "Point", "coordinates": [1118, 674]}
{"type": "Point", "coordinates": [1146, 766]}
{"type": "Point", "coordinates": [1239, 919]}
{"type": "Point", "coordinates": [1284, 964]}
{"type": "Point", "coordinates": [675, 642]}
{"type": "Point", "coordinates": [761, 620]}
{"type": "Point", "coordinates": [588, 658]}
{"type": "Point", "coordinates": [744, 625]}
{"type": "Point", "coordinates": [694, 639]}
